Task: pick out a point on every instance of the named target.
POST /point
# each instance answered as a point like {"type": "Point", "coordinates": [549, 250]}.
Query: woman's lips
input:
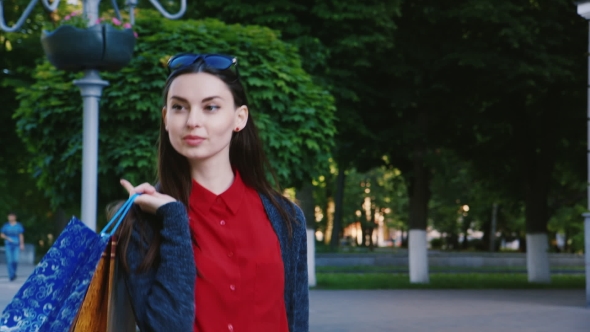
{"type": "Point", "coordinates": [193, 140]}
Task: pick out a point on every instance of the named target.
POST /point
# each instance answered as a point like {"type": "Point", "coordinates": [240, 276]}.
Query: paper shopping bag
{"type": "Point", "coordinates": [94, 312]}
{"type": "Point", "coordinates": [106, 307]}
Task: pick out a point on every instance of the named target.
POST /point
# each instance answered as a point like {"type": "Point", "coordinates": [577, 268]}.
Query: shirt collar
{"type": "Point", "coordinates": [203, 200]}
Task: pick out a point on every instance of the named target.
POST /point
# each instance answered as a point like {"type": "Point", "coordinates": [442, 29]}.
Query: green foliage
{"type": "Point", "coordinates": [295, 117]}
{"type": "Point", "coordinates": [463, 200]}
{"type": "Point", "coordinates": [377, 193]}
{"type": "Point", "coordinates": [345, 45]}
{"type": "Point", "coordinates": [567, 221]}
{"type": "Point", "coordinates": [381, 190]}
{"type": "Point", "coordinates": [567, 202]}
{"type": "Point", "coordinates": [74, 18]}
{"type": "Point", "coordinates": [19, 52]}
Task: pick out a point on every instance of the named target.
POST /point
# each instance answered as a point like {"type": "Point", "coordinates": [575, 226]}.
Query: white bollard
{"type": "Point", "coordinates": [587, 255]}
{"type": "Point", "coordinates": [537, 258]}
{"type": "Point", "coordinates": [311, 257]}
{"type": "Point", "coordinates": [418, 256]}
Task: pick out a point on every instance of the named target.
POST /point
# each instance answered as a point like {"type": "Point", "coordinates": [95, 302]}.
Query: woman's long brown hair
{"type": "Point", "coordinates": [246, 155]}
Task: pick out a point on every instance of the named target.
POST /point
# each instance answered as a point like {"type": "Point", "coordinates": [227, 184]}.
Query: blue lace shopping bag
{"type": "Point", "coordinates": [51, 297]}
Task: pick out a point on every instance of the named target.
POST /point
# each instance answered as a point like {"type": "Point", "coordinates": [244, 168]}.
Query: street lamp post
{"type": "Point", "coordinates": [91, 86]}
{"type": "Point", "coordinates": [584, 11]}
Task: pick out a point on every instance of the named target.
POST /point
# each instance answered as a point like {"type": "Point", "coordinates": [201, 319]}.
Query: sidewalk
{"type": "Point", "coordinates": [9, 288]}
{"type": "Point", "coordinates": [449, 311]}
{"type": "Point", "coordinates": [424, 310]}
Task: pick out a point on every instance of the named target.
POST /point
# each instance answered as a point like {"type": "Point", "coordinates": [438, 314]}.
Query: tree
{"type": "Point", "coordinates": [380, 198]}
{"type": "Point", "coordinates": [295, 117]}
{"type": "Point", "coordinates": [372, 197]}
{"type": "Point", "coordinates": [420, 82]}
{"type": "Point", "coordinates": [464, 200]}
{"type": "Point", "coordinates": [525, 60]}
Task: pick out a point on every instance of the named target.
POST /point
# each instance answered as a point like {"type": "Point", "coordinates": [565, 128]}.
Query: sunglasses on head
{"type": "Point", "coordinates": [215, 61]}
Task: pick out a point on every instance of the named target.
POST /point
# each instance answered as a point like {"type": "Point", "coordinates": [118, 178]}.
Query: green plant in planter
{"type": "Point", "coordinates": [79, 20]}
{"type": "Point", "coordinates": [119, 24]}
{"type": "Point", "coordinates": [74, 46]}
{"type": "Point", "coordinates": [76, 19]}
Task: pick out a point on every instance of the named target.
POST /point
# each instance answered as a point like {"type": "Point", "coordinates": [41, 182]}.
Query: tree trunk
{"type": "Point", "coordinates": [365, 231]}
{"type": "Point", "coordinates": [337, 223]}
{"type": "Point", "coordinates": [419, 193]}
{"type": "Point", "coordinates": [419, 196]}
{"type": "Point", "coordinates": [60, 221]}
{"type": "Point", "coordinates": [372, 226]}
{"type": "Point", "coordinates": [404, 243]}
{"type": "Point", "coordinates": [486, 227]}
{"type": "Point", "coordinates": [453, 241]}
{"type": "Point", "coordinates": [493, 227]}
{"type": "Point", "coordinates": [536, 229]}
{"type": "Point", "coordinates": [306, 202]}
{"type": "Point", "coordinates": [539, 165]}
{"type": "Point", "coordinates": [329, 215]}
{"type": "Point", "coordinates": [465, 230]}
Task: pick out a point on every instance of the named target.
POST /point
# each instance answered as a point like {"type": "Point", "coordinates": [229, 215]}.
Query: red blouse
{"type": "Point", "coordinates": [240, 276]}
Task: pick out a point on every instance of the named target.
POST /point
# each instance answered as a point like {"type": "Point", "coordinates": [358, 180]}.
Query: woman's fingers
{"type": "Point", "coordinates": [128, 186]}
{"type": "Point", "coordinates": [150, 200]}
{"type": "Point", "coordinates": [144, 188]}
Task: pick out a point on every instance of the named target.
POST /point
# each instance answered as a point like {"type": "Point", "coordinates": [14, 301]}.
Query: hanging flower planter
{"type": "Point", "coordinates": [100, 47]}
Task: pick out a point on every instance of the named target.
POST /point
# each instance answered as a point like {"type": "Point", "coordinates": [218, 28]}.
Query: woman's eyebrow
{"type": "Point", "coordinates": [211, 98]}
{"type": "Point", "coordinates": [179, 99]}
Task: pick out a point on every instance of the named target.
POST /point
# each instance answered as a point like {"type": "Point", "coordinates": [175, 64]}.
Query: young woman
{"type": "Point", "coordinates": [217, 248]}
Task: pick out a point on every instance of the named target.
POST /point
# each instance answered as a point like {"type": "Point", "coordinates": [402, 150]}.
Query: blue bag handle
{"type": "Point", "coordinates": [118, 217]}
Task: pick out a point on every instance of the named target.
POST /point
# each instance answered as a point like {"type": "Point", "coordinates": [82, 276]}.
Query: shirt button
{"type": "Point", "coordinates": [230, 254]}
{"type": "Point", "coordinates": [222, 222]}
{"type": "Point", "coordinates": [230, 327]}
{"type": "Point", "coordinates": [232, 287]}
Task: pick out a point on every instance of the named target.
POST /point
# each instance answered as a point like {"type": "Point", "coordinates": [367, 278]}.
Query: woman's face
{"type": "Point", "coordinates": [200, 117]}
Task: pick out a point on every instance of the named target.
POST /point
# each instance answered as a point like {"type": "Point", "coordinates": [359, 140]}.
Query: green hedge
{"type": "Point", "coordinates": [295, 116]}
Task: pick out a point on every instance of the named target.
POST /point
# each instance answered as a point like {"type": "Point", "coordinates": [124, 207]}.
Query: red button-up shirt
{"type": "Point", "coordinates": [240, 275]}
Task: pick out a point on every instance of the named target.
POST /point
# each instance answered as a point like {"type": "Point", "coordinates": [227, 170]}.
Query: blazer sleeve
{"type": "Point", "coordinates": [163, 298]}
{"type": "Point", "coordinates": [301, 298]}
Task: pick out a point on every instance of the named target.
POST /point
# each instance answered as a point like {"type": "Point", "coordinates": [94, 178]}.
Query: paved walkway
{"type": "Point", "coordinates": [425, 310]}
{"type": "Point", "coordinates": [449, 311]}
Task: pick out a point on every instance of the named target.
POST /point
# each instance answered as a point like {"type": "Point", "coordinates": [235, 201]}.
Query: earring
{"type": "Point", "coordinates": [237, 129]}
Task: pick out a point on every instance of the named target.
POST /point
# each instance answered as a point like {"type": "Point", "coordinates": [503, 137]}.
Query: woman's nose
{"type": "Point", "coordinates": [194, 118]}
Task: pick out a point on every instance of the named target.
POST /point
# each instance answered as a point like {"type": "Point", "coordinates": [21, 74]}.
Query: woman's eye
{"type": "Point", "coordinates": [211, 108]}
{"type": "Point", "coordinates": [177, 107]}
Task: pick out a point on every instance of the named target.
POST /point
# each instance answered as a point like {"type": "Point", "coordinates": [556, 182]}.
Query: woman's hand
{"type": "Point", "coordinates": [150, 199]}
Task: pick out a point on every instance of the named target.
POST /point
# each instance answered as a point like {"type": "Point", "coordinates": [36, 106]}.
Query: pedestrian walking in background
{"type": "Point", "coordinates": [14, 240]}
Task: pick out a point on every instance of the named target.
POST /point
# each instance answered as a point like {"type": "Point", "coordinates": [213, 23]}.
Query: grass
{"type": "Point", "coordinates": [444, 281]}
{"type": "Point", "coordinates": [404, 269]}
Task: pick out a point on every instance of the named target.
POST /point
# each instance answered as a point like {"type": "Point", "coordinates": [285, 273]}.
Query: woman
{"type": "Point", "coordinates": [214, 212]}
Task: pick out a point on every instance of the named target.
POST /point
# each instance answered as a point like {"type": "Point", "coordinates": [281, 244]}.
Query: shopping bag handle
{"type": "Point", "coordinates": [118, 217]}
